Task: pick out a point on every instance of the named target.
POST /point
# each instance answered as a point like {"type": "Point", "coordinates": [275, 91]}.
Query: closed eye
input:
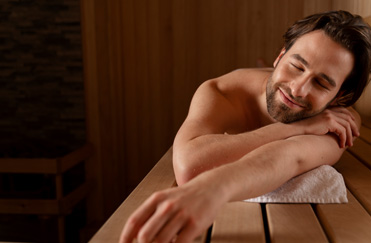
{"type": "Point", "coordinates": [320, 83]}
{"type": "Point", "coordinates": [297, 67]}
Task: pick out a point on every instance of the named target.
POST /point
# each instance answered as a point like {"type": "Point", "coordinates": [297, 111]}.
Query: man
{"type": "Point", "coordinates": [251, 130]}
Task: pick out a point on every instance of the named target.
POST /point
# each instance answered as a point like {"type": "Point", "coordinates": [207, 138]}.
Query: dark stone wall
{"type": "Point", "coordinates": [41, 78]}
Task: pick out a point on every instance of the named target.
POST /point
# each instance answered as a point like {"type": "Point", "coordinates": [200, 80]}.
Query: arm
{"type": "Point", "coordinates": [189, 209]}
{"type": "Point", "coordinates": [217, 107]}
{"type": "Point", "coordinates": [202, 142]}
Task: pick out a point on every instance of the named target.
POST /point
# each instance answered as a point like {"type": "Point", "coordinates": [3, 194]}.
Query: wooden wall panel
{"type": "Point", "coordinates": [361, 7]}
{"type": "Point", "coordinates": [144, 59]}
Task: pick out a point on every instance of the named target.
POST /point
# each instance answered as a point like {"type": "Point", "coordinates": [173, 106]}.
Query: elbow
{"type": "Point", "coordinates": [183, 169]}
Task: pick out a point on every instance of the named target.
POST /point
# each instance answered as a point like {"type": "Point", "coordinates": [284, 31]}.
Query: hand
{"type": "Point", "coordinates": [337, 120]}
{"type": "Point", "coordinates": [177, 214]}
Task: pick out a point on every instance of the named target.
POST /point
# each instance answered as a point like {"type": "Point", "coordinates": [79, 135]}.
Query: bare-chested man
{"type": "Point", "coordinates": [251, 130]}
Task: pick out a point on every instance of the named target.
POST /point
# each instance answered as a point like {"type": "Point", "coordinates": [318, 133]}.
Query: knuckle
{"type": "Point", "coordinates": [193, 222]}
{"type": "Point", "coordinates": [182, 215]}
{"type": "Point", "coordinates": [167, 207]}
{"type": "Point", "coordinates": [132, 222]}
{"type": "Point", "coordinates": [143, 237]}
{"type": "Point", "coordinates": [157, 196]}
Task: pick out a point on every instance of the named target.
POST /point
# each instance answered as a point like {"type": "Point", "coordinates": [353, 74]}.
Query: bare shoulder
{"type": "Point", "coordinates": [239, 78]}
{"type": "Point", "coordinates": [219, 105]}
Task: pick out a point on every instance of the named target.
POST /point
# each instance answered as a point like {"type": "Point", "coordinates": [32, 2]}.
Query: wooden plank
{"type": "Point", "coordinates": [68, 202]}
{"type": "Point", "coordinates": [29, 206]}
{"type": "Point", "coordinates": [24, 165]}
{"type": "Point", "coordinates": [357, 178]}
{"type": "Point", "coordinates": [362, 151]}
{"type": "Point", "coordinates": [294, 223]}
{"type": "Point", "coordinates": [345, 223]}
{"type": "Point", "coordinates": [366, 121]}
{"type": "Point", "coordinates": [75, 157]}
{"type": "Point", "coordinates": [202, 238]}
{"type": "Point", "coordinates": [239, 222]}
{"type": "Point", "coordinates": [366, 134]}
{"type": "Point", "coordinates": [160, 177]}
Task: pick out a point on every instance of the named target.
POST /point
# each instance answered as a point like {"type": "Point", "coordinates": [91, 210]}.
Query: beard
{"type": "Point", "coordinates": [280, 111]}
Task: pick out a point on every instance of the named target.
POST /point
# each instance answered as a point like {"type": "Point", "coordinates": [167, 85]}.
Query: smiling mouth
{"type": "Point", "coordinates": [288, 101]}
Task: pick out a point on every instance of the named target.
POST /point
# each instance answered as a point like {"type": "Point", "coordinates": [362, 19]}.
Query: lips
{"type": "Point", "coordinates": [288, 101]}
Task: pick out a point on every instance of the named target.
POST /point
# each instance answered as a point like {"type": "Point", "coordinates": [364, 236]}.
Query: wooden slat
{"type": "Point", "coordinates": [202, 238]}
{"type": "Point", "coordinates": [345, 223]}
{"type": "Point", "coordinates": [362, 150]}
{"type": "Point", "coordinates": [294, 223]}
{"type": "Point", "coordinates": [34, 165]}
{"type": "Point", "coordinates": [30, 206]}
{"type": "Point", "coordinates": [366, 122]}
{"type": "Point", "coordinates": [366, 134]}
{"type": "Point", "coordinates": [357, 178]}
{"type": "Point", "coordinates": [68, 202]}
{"type": "Point", "coordinates": [239, 222]}
{"type": "Point", "coordinates": [75, 157]}
{"type": "Point", "coordinates": [45, 165]}
{"type": "Point", "coordinates": [160, 177]}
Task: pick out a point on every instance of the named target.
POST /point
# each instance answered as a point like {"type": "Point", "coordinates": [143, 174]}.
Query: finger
{"type": "Point", "coordinates": [139, 217]}
{"type": "Point", "coordinates": [349, 136]}
{"type": "Point", "coordinates": [172, 228]}
{"type": "Point", "coordinates": [340, 131]}
{"type": "Point", "coordinates": [343, 111]}
{"type": "Point", "coordinates": [188, 234]}
{"type": "Point", "coordinates": [347, 132]}
{"type": "Point", "coordinates": [351, 128]}
{"type": "Point", "coordinates": [346, 120]}
{"type": "Point", "coordinates": [164, 213]}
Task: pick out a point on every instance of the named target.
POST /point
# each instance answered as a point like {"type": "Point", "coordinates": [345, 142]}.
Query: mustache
{"type": "Point", "coordinates": [298, 100]}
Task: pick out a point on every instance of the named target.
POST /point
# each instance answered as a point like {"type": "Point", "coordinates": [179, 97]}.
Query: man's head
{"type": "Point", "coordinates": [352, 33]}
{"type": "Point", "coordinates": [325, 61]}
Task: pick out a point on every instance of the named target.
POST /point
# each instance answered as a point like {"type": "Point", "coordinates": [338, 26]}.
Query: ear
{"type": "Point", "coordinates": [338, 96]}
{"type": "Point", "coordinates": [283, 51]}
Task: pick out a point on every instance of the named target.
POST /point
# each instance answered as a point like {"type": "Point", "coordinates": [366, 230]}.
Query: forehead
{"type": "Point", "coordinates": [323, 55]}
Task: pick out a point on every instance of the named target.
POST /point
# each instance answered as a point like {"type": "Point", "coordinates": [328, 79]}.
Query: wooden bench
{"type": "Point", "coordinates": [254, 222]}
{"type": "Point", "coordinates": [64, 200]}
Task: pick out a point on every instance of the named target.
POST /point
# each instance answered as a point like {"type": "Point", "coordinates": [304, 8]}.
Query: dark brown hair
{"type": "Point", "coordinates": [352, 33]}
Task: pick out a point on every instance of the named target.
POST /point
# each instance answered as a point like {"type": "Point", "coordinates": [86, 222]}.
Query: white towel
{"type": "Point", "coordinates": [321, 185]}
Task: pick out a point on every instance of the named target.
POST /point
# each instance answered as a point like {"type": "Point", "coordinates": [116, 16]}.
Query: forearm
{"type": "Point", "coordinates": [212, 150]}
{"type": "Point", "coordinates": [255, 174]}
{"type": "Point", "coordinates": [271, 165]}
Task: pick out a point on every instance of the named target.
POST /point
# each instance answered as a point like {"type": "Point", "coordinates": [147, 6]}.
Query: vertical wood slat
{"type": "Point", "coordinates": [143, 60]}
{"type": "Point", "coordinates": [91, 82]}
{"type": "Point", "coordinates": [239, 222]}
{"type": "Point", "coordinates": [345, 223]}
{"type": "Point", "coordinates": [294, 223]}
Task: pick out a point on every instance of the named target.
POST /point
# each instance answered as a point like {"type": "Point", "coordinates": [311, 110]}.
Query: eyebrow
{"type": "Point", "coordinates": [305, 63]}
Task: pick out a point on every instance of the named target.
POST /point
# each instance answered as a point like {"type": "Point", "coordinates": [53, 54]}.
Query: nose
{"type": "Point", "coordinates": [300, 87]}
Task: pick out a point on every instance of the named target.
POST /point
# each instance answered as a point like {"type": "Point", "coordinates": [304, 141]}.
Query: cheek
{"type": "Point", "coordinates": [282, 75]}
{"type": "Point", "coordinates": [320, 102]}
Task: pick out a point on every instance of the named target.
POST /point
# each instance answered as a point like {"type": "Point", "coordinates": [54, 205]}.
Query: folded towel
{"type": "Point", "coordinates": [321, 185]}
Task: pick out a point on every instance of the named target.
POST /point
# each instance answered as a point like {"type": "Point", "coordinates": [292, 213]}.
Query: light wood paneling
{"type": "Point", "coordinates": [144, 59]}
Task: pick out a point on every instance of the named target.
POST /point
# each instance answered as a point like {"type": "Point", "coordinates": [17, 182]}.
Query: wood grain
{"type": "Point", "coordinates": [357, 178]}
{"type": "Point", "coordinates": [239, 222]}
{"type": "Point", "coordinates": [144, 59]}
{"type": "Point", "coordinates": [294, 223]}
{"type": "Point", "coordinates": [347, 223]}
